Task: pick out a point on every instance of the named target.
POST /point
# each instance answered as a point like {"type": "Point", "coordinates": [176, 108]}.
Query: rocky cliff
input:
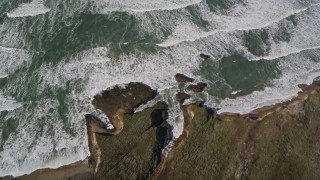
{"type": "Point", "coordinates": [280, 141]}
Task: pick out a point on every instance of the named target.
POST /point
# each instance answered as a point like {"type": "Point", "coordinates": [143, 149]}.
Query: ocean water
{"type": "Point", "coordinates": [55, 55]}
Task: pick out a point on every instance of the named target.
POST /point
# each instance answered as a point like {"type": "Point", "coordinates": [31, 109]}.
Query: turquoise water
{"type": "Point", "coordinates": [56, 55]}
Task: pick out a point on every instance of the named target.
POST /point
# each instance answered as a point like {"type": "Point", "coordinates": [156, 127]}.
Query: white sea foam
{"type": "Point", "coordinates": [3, 75]}
{"type": "Point", "coordinates": [143, 5]}
{"type": "Point", "coordinates": [235, 92]}
{"type": "Point", "coordinates": [12, 59]}
{"type": "Point", "coordinates": [257, 16]}
{"type": "Point", "coordinates": [294, 51]}
{"type": "Point", "coordinates": [94, 55]}
{"type": "Point", "coordinates": [8, 103]}
{"type": "Point", "coordinates": [40, 134]}
{"type": "Point", "coordinates": [33, 8]}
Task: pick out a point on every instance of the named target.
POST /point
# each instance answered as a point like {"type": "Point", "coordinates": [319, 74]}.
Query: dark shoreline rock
{"type": "Point", "coordinates": [182, 78]}
{"type": "Point", "coordinates": [181, 97]}
{"type": "Point", "coordinates": [197, 88]}
{"type": "Point", "coordinates": [118, 101]}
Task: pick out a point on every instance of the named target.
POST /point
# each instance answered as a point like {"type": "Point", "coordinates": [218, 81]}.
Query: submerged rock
{"type": "Point", "coordinates": [197, 88]}
{"type": "Point", "coordinates": [183, 78]}
{"type": "Point", "coordinates": [204, 56]}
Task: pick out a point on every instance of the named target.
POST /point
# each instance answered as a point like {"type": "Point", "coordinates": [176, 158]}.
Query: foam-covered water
{"type": "Point", "coordinates": [143, 5]}
{"type": "Point", "coordinates": [29, 9]}
{"type": "Point", "coordinates": [58, 54]}
{"type": "Point", "coordinates": [8, 104]}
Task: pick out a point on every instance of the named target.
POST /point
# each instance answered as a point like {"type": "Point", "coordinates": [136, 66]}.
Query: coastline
{"type": "Point", "coordinates": [83, 169]}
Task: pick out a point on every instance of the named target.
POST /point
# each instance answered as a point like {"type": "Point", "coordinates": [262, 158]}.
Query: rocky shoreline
{"type": "Point", "coordinates": [134, 148]}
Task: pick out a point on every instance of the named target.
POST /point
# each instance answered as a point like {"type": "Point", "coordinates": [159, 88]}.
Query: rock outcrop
{"type": "Point", "coordinates": [118, 101]}
{"type": "Point", "coordinates": [197, 88]}
{"type": "Point", "coordinates": [181, 97]}
{"type": "Point", "coordinates": [183, 78]}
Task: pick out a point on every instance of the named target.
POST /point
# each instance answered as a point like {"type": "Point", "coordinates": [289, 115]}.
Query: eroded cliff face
{"type": "Point", "coordinates": [280, 141]}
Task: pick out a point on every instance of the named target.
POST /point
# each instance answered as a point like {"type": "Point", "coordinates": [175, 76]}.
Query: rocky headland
{"type": "Point", "coordinates": [273, 142]}
{"type": "Point", "coordinates": [276, 141]}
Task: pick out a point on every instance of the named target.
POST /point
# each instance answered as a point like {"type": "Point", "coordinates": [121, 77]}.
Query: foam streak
{"type": "Point", "coordinates": [285, 54]}
{"type": "Point", "coordinates": [169, 43]}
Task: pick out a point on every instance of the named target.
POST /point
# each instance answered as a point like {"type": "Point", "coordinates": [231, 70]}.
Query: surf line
{"type": "Point", "coordinates": [285, 54]}
{"type": "Point", "coordinates": [168, 8]}
{"type": "Point", "coordinates": [206, 34]}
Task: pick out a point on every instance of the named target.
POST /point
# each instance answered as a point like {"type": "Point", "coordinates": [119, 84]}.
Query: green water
{"type": "Point", "coordinates": [236, 73]}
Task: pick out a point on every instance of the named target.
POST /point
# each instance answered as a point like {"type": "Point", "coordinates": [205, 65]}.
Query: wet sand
{"type": "Point", "coordinates": [78, 170]}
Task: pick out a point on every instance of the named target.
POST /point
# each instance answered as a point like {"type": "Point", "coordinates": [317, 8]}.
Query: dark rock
{"type": "Point", "coordinates": [253, 116]}
{"type": "Point", "coordinates": [118, 101]}
{"type": "Point", "coordinates": [212, 112]}
{"type": "Point", "coordinates": [204, 56]}
{"type": "Point", "coordinates": [181, 97]}
{"type": "Point", "coordinates": [123, 100]}
{"type": "Point", "coordinates": [183, 78]}
{"type": "Point", "coordinates": [197, 88]}
{"type": "Point", "coordinates": [159, 114]}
